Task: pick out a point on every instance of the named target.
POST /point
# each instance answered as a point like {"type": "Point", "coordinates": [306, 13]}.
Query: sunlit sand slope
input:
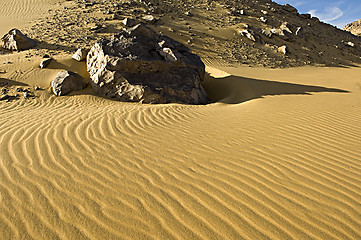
{"type": "Point", "coordinates": [16, 13]}
{"type": "Point", "coordinates": [277, 156]}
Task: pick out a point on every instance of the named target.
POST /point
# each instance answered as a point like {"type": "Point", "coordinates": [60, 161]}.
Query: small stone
{"type": "Point", "coordinates": [19, 89]}
{"type": "Point", "coordinates": [299, 31]}
{"type": "Point", "coordinates": [128, 22]}
{"type": "Point", "coordinates": [267, 32]}
{"type": "Point", "coordinates": [350, 44]}
{"type": "Point", "coordinates": [248, 34]}
{"type": "Point", "coordinates": [80, 54]}
{"type": "Point", "coordinates": [283, 49]}
{"type": "Point", "coordinates": [285, 26]}
{"type": "Point", "coordinates": [168, 54]}
{"type": "Point", "coordinates": [149, 19]}
{"type": "Point", "coordinates": [45, 63]}
{"type": "Point", "coordinates": [36, 88]}
{"type": "Point", "coordinates": [189, 14]}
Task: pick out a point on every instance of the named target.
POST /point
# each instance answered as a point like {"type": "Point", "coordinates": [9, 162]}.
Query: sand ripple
{"type": "Point", "coordinates": [83, 167]}
{"type": "Point", "coordinates": [14, 13]}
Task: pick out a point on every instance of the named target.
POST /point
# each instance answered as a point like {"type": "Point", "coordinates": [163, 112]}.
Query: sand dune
{"type": "Point", "coordinates": [277, 155]}
{"type": "Point", "coordinates": [16, 13]}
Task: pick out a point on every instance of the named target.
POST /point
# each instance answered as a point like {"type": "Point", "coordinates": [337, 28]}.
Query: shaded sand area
{"type": "Point", "coordinates": [16, 13]}
{"type": "Point", "coordinates": [278, 155]}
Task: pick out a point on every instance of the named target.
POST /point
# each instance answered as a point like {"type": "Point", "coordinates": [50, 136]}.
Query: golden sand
{"type": "Point", "coordinates": [18, 13]}
{"type": "Point", "coordinates": [276, 156]}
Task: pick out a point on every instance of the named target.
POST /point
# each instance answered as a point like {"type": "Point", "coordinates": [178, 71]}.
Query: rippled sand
{"type": "Point", "coordinates": [17, 13]}
{"type": "Point", "coordinates": [278, 155]}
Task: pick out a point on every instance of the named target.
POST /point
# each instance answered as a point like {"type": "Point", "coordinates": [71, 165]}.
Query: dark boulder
{"type": "Point", "coordinates": [140, 65]}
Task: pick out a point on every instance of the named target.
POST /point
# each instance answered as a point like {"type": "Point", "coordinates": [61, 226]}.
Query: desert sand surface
{"type": "Point", "coordinates": [276, 155]}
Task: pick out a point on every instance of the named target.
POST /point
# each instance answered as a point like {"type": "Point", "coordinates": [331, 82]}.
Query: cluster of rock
{"type": "Point", "coordinates": [279, 36]}
{"type": "Point", "coordinates": [8, 93]}
{"type": "Point", "coordinates": [142, 66]}
{"type": "Point", "coordinates": [270, 27]}
{"type": "Point", "coordinates": [137, 65]}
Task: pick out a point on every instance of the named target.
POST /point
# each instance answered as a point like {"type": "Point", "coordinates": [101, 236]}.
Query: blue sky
{"type": "Point", "coordinates": [337, 13]}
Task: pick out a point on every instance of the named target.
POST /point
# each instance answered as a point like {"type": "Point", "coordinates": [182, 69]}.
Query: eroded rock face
{"type": "Point", "coordinates": [66, 82]}
{"type": "Point", "coordinates": [14, 40]}
{"type": "Point", "coordinates": [140, 65]}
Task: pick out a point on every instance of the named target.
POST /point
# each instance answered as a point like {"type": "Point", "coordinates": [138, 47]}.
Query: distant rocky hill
{"type": "Point", "coordinates": [253, 33]}
{"type": "Point", "coordinates": [354, 27]}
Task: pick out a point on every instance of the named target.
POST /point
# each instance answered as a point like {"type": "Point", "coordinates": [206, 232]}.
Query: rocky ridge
{"type": "Point", "coordinates": [251, 33]}
{"type": "Point", "coordinates": [354, 27]}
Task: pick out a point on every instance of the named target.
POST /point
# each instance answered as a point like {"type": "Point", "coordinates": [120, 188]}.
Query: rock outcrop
{"type": "Point", "coordinates": [140, 65]}
{"type": "Point", "coordinates": [14, 40]}
{"type": "Point", "coordinates": [354, 27]}
{"type": "Point", "coordinates": [66, 82]}
{"type": "Point", "coordinates": [269, 26]}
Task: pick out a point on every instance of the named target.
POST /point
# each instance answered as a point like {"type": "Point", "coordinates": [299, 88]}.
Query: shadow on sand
{"type": "Point", "coordinates": [9, 83]}
{"type": "Point", "coordinates": [52, 46]}
{"type": "Point", "coordinates": [234, 89]}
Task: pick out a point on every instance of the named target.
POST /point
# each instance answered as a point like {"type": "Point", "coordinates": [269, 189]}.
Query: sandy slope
{"type": "Point", "coordinates": [17, 13]}
{"type": "Point", "coordinates": [277, 156]}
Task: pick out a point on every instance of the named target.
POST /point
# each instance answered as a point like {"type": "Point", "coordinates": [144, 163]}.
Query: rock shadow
{"type": "Point", "coordinates": [50, 46]}
{"type": "Point", "coordinates": [54, 64]}
{"type": "Point", "coordinates": [9, 83]}
{"type": "Point", "coordinates": [234, 89]}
